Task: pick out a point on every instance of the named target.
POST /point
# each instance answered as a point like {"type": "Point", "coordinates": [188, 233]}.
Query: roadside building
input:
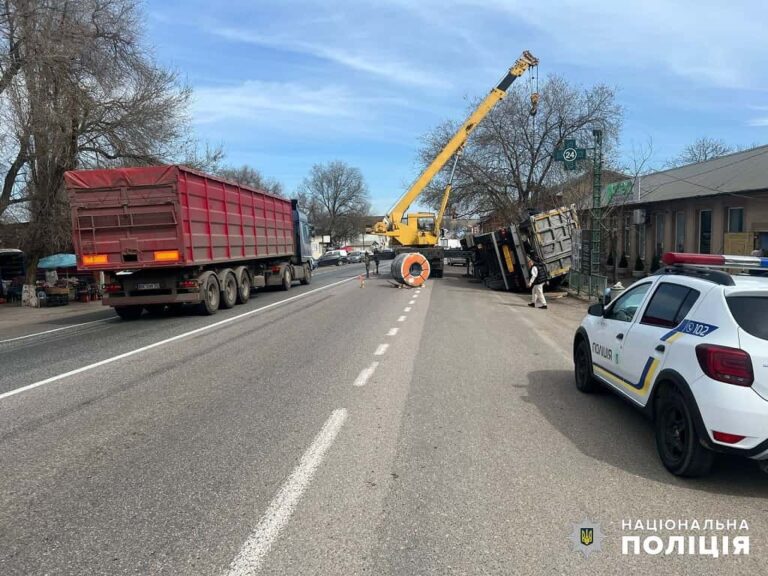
{"type": "Point", "coordinates": [719, 206]}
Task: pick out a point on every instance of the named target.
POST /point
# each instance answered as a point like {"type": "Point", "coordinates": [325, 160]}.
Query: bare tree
{"type": "Point", "coordinates": [248, 176]}
{"type": "Point", "coordinates": [82, 92]}
{"type": "Point", "coordinates": [700, 150]}
{"type": "Point", "coordinates": [508, 163]}
{"type": "Point", "coordinates": [336, 197]}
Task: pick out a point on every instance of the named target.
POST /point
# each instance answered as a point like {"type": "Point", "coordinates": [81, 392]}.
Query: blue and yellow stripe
{"type": "Point", "coordinates": [646, 378]}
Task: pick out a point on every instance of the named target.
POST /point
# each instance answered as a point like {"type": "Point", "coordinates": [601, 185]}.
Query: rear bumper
{"type": "Point", "coordinates": [180, 298]}
{"type": "Point", "coordinates": [735, 410]}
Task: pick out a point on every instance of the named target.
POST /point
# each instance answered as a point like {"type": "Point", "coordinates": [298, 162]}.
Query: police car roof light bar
{"type": "Point", "coordinates": [715, 260]}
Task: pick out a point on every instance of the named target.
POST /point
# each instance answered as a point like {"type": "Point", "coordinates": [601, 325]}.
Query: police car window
{"type": "Point", "coordinates": [625, 307]}
{"type": "Point", "coordinates": [751, 313]}
{"type": "Point", "coordinates": [669, 305]}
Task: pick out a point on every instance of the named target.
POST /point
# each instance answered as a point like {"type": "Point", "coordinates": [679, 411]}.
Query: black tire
{"type": "Point", "coordinates": [677, 441]}
{"type": "Point", "coordinates": [307, 276]}
{"type": "Point", "coordinates": [244, 287]}
{"type": "Point", "coordinates": [287, 279]}
{"type": "Point", "coordinates": [228, 291]}
{"type": "Point", "coordinates": [211, 296]}
{"type": "Point", "coordinates": [339, 262]}
{"type": "Point", "coordinates": [582, 368]}
{"type": "Point", "coordinates": [129, 312]}
{"type": "Point", "coordinates": [155, 310]}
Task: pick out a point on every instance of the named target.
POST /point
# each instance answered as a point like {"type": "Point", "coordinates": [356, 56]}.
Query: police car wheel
{"type": "Point", "coordinates": [677, 441]}
{"type": "Point", "coordinates": [582, 361]}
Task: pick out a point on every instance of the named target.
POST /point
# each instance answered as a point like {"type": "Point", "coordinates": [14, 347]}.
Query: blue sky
{"type": "Point", "coordinates": [286, 84]}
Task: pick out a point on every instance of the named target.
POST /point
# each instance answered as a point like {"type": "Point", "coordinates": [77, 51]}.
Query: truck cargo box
{"type": "Point", "coordinates": [172, 216]}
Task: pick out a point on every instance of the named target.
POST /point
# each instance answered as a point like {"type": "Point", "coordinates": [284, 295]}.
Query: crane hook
{"type": "Point", "coordinates": [534, 103]}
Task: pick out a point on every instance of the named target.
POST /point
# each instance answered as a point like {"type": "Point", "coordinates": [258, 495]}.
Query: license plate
{"type": "Point", "coordinates": [149, 286]}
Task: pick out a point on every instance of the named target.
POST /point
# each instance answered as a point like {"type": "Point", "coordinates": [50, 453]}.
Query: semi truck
{"type": "Point", "coordinates": [166, 236]}
{"type": "Point", "coordinates": [500, 257]}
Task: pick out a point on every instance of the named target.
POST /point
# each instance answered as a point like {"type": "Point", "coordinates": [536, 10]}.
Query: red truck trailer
{"type": "Point", "coordinates": [166, 236]}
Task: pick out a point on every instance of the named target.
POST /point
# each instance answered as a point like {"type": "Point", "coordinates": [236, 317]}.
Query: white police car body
{"type": "Point", "coordinates": [690, 346]}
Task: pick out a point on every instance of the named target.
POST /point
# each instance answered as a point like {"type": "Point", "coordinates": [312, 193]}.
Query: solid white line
{"type": "Point", "coordinates": [407, 309]}
{"type": "Point", "coordinates": [55, 330]}
{"type": "Point", "coordinates": [393, 331]}
{"type": "Point", "coordinates": [365, 374]}
{"type": "Point", "coordinates": [166, 341]}
{"type": "Point", "coordinates": [401, 319]}
{"type": "Point", "coordinates": [381, 350]}
{"type": "Point", "coordinates": [255, 549]}
{"type": "Point", "coordinates": [412, 302]}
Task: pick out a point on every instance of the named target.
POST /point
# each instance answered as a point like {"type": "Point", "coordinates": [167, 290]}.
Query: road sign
{"type": "Point", "coordinates": [569, 154]}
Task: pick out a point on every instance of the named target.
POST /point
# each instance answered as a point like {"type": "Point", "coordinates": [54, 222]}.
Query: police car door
{"type": "Point", "coordinates": [645, 347]}
{"type": "Point", "coordinates": [608, 337]}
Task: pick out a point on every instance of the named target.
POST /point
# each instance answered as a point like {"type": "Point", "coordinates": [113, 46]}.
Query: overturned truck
{"type": "Point", "coordinates": [500, 257]}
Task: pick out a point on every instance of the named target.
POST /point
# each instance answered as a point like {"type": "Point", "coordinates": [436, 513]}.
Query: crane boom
{"type": "Point", "coordinates": [409, 233]}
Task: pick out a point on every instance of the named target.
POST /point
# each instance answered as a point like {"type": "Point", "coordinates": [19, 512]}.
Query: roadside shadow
{"type": "Point", "coordinates": [605, 427]}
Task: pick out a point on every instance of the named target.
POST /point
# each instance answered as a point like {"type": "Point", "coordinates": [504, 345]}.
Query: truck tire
{"type": "Point", "coordinates": [287, 279]}
{"type": "Point", "coordinates": [211, 295]}
{"type": "Point", "coordinates": [307, 275]}
{"type": "Point", "coordinates": [228, 290]}
{"type": "Point", "coordinates": [243, 286]}
{"type": "Point", "coordinates": [129, 312]}
{"type": "Point", "coordinates": [155, 310]}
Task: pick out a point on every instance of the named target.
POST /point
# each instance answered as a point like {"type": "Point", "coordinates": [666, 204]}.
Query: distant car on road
{"type": "Point", "coordinates": [333, 258]}
{"type": "Point", "coordinates": [355, 256]}
{"type": "Point", "coordinates": [689, 346]}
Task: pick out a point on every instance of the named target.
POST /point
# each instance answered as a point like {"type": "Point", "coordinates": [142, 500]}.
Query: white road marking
{"type": "Point", "coordinates": [166, 341]}
{"type": "Point", "coordinates": [393, 331]}
{"type": "Point", "coordinates": [401, 319]}
{"type": "Point", "coordinates": [255, 549]}
{"type": "Point", "coordinates": [365, 374]}
{"type": "Point", "coordinates": [407, 309]}
{"type": "Point", "coordinates": [55, 330]}
{"type": "Point", "coordinates": [412, 302]}
{"type": "Point", "coordinates": [381, 350]}
{"type": "Point", "coordinates": [415, 296]}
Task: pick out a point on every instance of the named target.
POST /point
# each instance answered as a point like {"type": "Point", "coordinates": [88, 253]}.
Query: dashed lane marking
{"type": "Point", "coordinates": [255, 549]}
{"type": "Point", "coordinates": [365, 374]}
{"type": "Point", "coordinates": [393, 331]}
{"type": "Point", "coordinates": [381, 350]}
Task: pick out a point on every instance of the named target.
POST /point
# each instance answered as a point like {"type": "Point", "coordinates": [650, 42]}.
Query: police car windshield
{"type": "Point", "coordinates": [751, 313]}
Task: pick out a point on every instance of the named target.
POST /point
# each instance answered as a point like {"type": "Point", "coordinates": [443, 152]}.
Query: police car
{"type": "Point", "coordinates": [688, 345]}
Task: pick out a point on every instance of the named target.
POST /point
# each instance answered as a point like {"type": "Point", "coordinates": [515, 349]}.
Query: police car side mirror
{"type": "Point", "coordinates": [596, 310]}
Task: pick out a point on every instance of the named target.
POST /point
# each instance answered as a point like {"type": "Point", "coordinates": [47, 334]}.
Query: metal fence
{"type": "Point", "coordinates": [587, 285]}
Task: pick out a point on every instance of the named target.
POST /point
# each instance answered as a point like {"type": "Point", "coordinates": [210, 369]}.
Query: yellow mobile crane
{"type": "Point", "coordinates": [420, 231]}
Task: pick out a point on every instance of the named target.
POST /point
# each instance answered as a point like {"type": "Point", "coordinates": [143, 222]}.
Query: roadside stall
{"type": "Point", "coordinates": [59, 281]}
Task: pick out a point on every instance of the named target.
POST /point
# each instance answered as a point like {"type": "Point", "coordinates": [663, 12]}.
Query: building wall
{"type": "Point", "coordinates": [755, 220]}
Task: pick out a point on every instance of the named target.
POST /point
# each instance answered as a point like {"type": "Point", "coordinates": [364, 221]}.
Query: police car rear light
{"type": "Point", "coordinates": [714, 260]}
{"type": "Point", "coordinates": [729, 365]}
{"type": "Point", "coordinates": [727, 438]}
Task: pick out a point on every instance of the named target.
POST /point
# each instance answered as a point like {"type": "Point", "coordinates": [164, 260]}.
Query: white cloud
{"type": "Point", "coordinates": [359, 59]}
{"type": "Point", "coordinates": [759, 121]}
{"type": "Point", "coordinates": [253, 100]}
{"type": "Point", "coordinates": [706, 41]}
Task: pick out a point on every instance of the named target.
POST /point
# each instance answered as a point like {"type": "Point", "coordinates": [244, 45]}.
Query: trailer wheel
{"type": "Point", "coordinates": [244, 287]}
{"type": "Point", "coordinates": [129, 312]}
{"type": "Point", "coordinates": [307, 275]}
{"type": "Point", "coordinates": [228, 290]}
{"type": "Point", "coordinates": [287, 279]}
{"type": "Point", "coordinates": [211, 296]}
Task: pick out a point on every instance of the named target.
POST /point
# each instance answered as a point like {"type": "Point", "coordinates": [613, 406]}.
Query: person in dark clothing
{"type": "Point", "coordinates": [376, 259]}
{"type": "Point", "coordinates": [367, 262]}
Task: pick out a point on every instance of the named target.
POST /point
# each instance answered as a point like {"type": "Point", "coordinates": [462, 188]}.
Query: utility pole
{"type": "Point", "coordinates": [597, 213]}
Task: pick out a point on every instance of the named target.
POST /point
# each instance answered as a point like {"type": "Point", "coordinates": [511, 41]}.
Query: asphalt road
{"type": "Point", "coordinates": [337, 429]}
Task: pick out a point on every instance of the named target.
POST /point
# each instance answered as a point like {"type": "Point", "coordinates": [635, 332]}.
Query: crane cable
{"type": "Point", "coordinates": [534, 91]}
